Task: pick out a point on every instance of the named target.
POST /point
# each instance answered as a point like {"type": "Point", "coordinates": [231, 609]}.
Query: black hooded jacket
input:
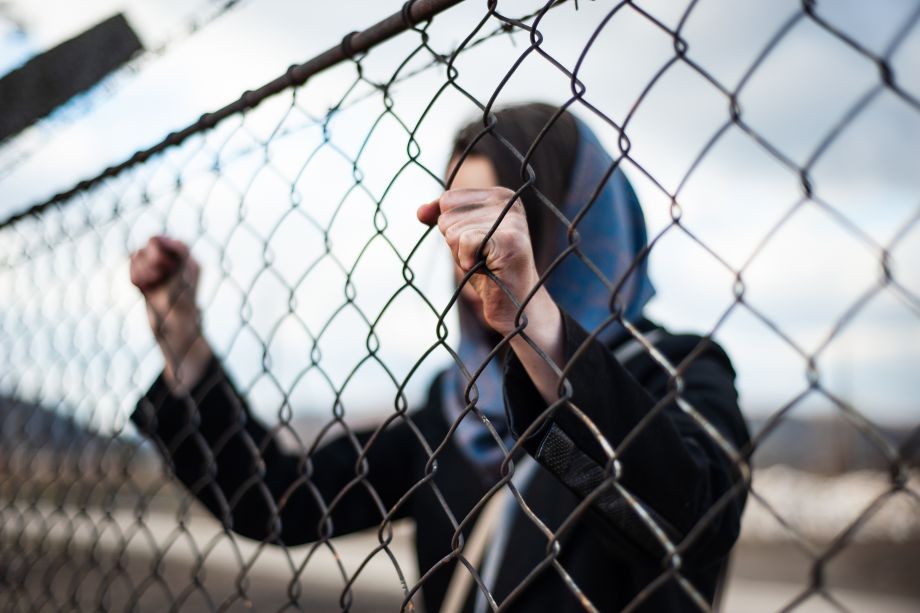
{"type": "Point", "coordinates": [668, 429]}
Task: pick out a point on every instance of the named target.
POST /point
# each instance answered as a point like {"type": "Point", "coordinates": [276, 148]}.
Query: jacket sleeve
{"type": "Point", "coordinates": [675, 481]}
{"type": "Point", "coordinates": [238, 470]}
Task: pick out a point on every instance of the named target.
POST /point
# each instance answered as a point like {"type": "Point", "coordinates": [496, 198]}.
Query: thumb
{"type": "Point", "coordinates": [468, 246]}
{"type": "Point", "coordinates": [428, 213]}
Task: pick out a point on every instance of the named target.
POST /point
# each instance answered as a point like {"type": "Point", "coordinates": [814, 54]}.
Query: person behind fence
{"type": "Point", "coordinates": [651, 530]}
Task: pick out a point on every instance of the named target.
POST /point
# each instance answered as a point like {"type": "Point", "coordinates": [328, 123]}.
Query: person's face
{"type": "Point", "coordinates": [476, 172]}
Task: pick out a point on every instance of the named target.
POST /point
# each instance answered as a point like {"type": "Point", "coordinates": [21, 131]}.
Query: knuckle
{"type": "Point", "coordinates": [500, 195]}
{"type": "Point", "coordinates": [444, 227]}
{"type": "Point", "coordinates": [448, 198]}
{"type": "Point", "coordinates": [470, 238]}
{"type": "Point", "coordinates": [515, 239]}
{"type": "Point", "coordinates": [452, 234]}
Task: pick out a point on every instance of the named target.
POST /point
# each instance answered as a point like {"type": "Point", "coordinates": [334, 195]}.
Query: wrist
{"type": "Point", "coordinates": [544, 327]}
{"type": "Point", "coordinates": [545, 330]}
{"type": "Point", "coordinates": [176, 328]}
{"type": "Point", "coordinates": [183, 371]}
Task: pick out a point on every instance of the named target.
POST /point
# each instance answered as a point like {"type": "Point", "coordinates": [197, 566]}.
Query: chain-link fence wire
{"type": "Point", "coordinates": [324, 298]}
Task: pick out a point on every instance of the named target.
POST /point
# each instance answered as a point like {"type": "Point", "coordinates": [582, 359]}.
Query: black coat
{"type": "Point", "coordinates": [668, 464]}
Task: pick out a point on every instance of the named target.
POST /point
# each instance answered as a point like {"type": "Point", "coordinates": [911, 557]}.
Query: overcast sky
{"type": "Point", "coordinates": [804, 279]}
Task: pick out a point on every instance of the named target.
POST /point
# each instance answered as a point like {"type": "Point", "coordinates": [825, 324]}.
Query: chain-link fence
{"type": "Point", "coordinates": [771, 150]}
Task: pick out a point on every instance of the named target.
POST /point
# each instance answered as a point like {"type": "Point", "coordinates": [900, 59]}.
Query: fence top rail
{"type": "Point", "coordinates": [412, 13]}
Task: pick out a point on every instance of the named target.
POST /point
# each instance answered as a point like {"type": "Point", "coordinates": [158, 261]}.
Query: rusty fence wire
{"type": "Point", "coordinates": [332, 309]}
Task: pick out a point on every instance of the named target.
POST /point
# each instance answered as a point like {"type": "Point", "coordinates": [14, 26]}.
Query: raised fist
{"type": "Point", "coordinates": [166, 274]}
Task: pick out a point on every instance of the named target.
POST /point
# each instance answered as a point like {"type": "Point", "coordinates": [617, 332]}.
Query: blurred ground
{"type": "Point", "coordinates": [56, 557]}
{"type": "Point", "coordinates": [764, 578]}
{"type": "Point", "coordinates": [112, 538]}
{"type": "Point", "coordinates": [873, 578]}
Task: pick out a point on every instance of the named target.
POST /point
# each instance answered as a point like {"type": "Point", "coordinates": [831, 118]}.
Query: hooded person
{"type": "Point", "coordinates": [626, 468]}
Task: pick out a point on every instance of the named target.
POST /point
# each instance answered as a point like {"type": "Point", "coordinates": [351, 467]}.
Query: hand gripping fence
{"type": "Point", "coordinates": [284, 478]}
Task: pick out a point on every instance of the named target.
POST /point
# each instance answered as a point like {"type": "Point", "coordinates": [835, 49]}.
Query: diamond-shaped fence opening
{"type": "Point", "coordinates": [311, 405]}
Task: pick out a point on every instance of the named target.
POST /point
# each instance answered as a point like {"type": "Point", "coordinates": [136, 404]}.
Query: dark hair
{"type": "Point", "coordinates": [552, 161]}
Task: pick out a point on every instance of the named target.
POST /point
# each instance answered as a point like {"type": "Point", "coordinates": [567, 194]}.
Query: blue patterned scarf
{"type": "Point", "coordinates": [611, 235]}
